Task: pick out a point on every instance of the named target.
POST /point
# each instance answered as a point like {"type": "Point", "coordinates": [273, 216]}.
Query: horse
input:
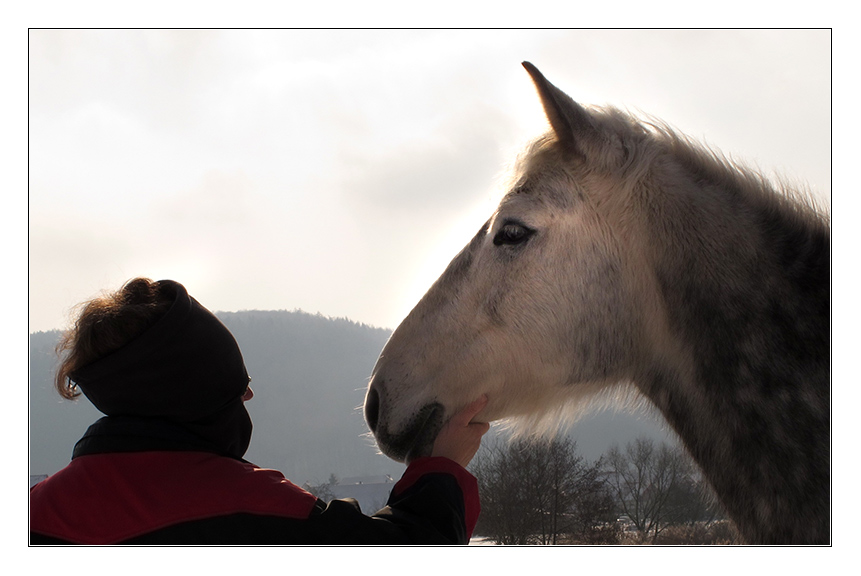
{"type": "Point", "coordinates": [625, 257]}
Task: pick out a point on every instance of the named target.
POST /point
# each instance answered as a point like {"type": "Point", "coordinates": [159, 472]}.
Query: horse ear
{"type": "Point", "coordinates": [570, 122]}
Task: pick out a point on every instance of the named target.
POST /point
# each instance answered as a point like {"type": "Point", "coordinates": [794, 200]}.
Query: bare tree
{"type": "Point", "coordinates": [538, 491]}
{"type": "Point", "coordinates": [592, 515]}
{"type": "Point", "coordinates": [643, 479]}
{"type": "Point", "coordinates": [692, 501]}
{"type": "Point", "coordinates": [324, 490]}
{"type": "Point", "coordinates": [552, 474]}
{"type": "Point", "coordinates": [505, 508]}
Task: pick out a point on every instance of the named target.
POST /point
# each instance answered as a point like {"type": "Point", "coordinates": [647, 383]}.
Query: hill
{"type": "Point", "coordinates": [309, 374]}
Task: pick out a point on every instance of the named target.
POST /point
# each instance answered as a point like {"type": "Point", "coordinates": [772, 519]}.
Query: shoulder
{"type": "Point", "coordinates": [112, 497]}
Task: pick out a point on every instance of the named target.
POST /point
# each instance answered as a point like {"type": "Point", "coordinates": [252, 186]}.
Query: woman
{"type": "Point", "coordinates": [164, 466]}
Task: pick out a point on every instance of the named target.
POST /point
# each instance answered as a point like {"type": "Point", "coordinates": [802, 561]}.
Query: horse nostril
{"type": "Point", "coordinates": [372, 409]}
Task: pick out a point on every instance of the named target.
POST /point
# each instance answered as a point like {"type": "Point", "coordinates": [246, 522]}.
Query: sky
{"type": "Point", "coordinates": [339, 171]}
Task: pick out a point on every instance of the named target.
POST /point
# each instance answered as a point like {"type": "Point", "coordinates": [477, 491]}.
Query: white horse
{"type": "Point", "coordinates": [626, 255]}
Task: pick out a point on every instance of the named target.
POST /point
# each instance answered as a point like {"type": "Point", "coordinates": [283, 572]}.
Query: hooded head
{"type": "Point", "coordinates": [185, 368]}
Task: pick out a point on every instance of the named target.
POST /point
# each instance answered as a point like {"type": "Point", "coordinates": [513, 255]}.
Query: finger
{"type": "Point", "coordinates": [466, 414]}
{"type": "Point", "coordinates": [480, 427]}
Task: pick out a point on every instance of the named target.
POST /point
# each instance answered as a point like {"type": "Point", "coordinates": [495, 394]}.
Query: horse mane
{"type": "Point", "coordinates": [710, 163]}
{"type": "Point", "coordinates": [634, 143]}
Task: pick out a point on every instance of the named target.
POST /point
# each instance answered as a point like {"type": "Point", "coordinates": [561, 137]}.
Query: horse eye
{"type": "Point", "coordinates": [512, 234]}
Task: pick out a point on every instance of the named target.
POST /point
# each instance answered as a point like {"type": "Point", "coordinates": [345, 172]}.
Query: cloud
{"type": "Point", "coordinates": [330, 170]}
{"type": "Point", "coordinates": [434, 174]}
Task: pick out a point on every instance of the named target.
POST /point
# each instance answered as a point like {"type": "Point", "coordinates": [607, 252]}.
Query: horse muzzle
{"type": "Point", "coordinates": [415, 435]}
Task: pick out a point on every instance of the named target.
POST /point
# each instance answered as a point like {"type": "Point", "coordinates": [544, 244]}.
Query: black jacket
{"type": "Point", "coordinates": [198, 497]}
{"type": "Point", "coordinates": [202, 498]}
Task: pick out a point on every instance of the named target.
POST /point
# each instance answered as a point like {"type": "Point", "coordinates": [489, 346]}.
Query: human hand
{"type": "Point", "coordinates": [460, 438]}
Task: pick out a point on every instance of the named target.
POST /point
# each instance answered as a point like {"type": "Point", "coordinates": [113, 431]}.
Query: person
{"type": "Point", "coordinates": [165, 464]}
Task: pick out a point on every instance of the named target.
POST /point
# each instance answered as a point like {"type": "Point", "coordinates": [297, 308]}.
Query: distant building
{"type": "Point", "coordinates": [372, 492]}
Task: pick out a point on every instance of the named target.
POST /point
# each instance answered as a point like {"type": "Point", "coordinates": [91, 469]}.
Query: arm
{"type": "Point", "coordinates": [435, 502]}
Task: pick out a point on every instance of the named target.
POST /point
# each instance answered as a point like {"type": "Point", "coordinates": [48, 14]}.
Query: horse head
{"type": "Point", "coordinates": [544, 307]}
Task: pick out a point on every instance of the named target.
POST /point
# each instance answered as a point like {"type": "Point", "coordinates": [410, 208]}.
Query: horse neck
{"type": "Point", "coordinates": [745, 286]}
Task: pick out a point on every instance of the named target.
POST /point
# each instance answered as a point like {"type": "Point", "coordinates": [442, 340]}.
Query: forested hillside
{"type": "Point", "coordinates": [308, 374]}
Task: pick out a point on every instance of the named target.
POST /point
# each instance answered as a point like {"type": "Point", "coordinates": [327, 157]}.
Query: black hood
{"type": "Point", "coordinates": [185, 369]}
